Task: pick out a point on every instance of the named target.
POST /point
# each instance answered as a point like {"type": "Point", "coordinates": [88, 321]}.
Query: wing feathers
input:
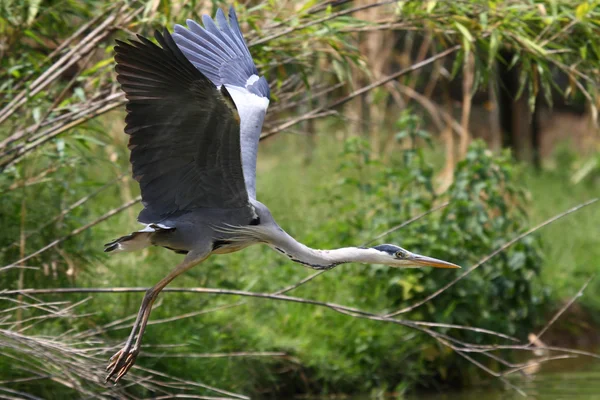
{"type": "Point", "coordinates": [184, 133]}
{"type": "Point", "coordinates": [237, 33]}
{"type": "Point", "coordinates": [219, 51]}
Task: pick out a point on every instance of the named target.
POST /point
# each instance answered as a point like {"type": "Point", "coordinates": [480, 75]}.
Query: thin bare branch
{"type": "Point", "coordinates": [217, 355]}
{"type": "Point", "coordinates": [467, 328]}
{"type": "Point", "coordinates": [492, 373]}
{"type": "Point", "coordinates": [337, 307]}
{"type": "Point", "coordinates": [536, 362]}
{"type": "Point", "coordinates": [51, 74]}
{"type": "Point", "coordinates": [491, 255]}
{"type": "Point", "coordinates": [68, 209]}
{"type": "Point", "coordinates": [564, 308]}
{"type": "Point", "coordinates": [313, 114]}
{"type": "Point", "coordinates": [74, 233]}
{"type": "Point", "coordinates": [405, 223]}
{"type": "Point", "coordinates": [55, 131]}
{"type": "Point", "coordinates": [192, 383]}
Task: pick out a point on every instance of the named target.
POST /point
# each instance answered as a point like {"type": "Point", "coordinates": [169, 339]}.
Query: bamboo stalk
{"type": "Point", "coordinates": [468, 77]}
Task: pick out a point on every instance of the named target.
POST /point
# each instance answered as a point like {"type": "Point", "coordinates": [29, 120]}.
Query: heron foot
{"type": "Point", "coordinates": [121, 362]}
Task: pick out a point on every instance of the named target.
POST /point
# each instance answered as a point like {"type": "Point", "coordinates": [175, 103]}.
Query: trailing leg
{"type": "Point", "coordinates": [124, 359]}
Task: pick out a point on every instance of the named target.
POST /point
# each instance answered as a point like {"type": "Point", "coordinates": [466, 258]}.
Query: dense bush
{"type": "Point", "coordinates": [486, 206]}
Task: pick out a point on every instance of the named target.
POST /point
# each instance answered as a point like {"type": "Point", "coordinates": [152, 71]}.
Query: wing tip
{"type": "Point", "coordinates": [219, 50]}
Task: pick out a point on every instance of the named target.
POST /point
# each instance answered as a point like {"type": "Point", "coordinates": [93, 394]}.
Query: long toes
{"type": "Point", "coordinates": [123, 371]}
{"type": "Point", "coordinates": [115, 356]}
{"type": "Point", "coordinates": [127, 364]}
{"type": "Point", "coordinates": [114, 364]}
{"type": "Point", "coordinates": [112, 371]}
{"type": "Point", "coordinates": [120, 364]}
{"type": "Point", "coordinates": [113, 361]}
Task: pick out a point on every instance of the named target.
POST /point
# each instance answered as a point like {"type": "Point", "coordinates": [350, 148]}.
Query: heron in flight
{"type": "Point", "coordinates": [196, 105]}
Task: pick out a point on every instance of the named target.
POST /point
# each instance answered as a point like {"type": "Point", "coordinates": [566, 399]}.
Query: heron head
{"type": "Point", "coordinates": [395, 256]}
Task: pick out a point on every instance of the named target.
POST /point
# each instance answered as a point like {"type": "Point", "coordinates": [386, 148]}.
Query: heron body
{"type": "Point", "coordinates": [196, 106]}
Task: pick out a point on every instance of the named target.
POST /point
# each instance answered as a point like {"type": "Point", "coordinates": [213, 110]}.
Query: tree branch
{"type": "Point", "coordinates": [492, 255]}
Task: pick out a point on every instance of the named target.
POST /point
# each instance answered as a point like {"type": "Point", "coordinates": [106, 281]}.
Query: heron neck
{"type": "Point", "coordinates": [319, 259]}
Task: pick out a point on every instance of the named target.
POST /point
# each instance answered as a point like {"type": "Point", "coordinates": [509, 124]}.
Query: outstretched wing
{"type": "Point", "coordinates": [219, 51]}
{"type": "Point", "coordinates": [184, 132]}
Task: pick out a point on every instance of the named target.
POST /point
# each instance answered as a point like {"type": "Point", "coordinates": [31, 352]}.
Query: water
{"type": "Point", "coordinates": [569, 379]}
{"type": "Point", "coordinates": [572, 379]}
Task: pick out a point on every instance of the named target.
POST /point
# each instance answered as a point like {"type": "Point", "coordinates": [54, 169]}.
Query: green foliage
{"type": "Point", "coordinates": [543, 36]}
{"type": "Point", "coordinates": [329, 352]}
{"type": "Point", "coordinates": [589, 172]}
{"type": "Point", "coordinates": [570, 246]}
{"type": "Point", "coordinates": [486, 207]}
{"type": "Point", "coordinates": [332, 352]}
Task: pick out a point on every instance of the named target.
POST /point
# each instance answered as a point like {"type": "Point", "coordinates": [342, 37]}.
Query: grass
{"type": "Point", "coordinates": [571, 248]}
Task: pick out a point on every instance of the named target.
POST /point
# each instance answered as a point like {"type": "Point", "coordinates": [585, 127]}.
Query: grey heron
{"type": "Point", "coordinates": [195, 109]}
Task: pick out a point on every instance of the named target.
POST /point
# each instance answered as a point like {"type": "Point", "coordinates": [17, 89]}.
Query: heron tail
{"type": "Point", "coordinates": [136, 240]}
{"type": "Point", "coordinates": [131, 242]}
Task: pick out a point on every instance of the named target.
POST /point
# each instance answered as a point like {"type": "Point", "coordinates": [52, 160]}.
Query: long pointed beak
{"type": "Point", "coordinates": [424, 261]}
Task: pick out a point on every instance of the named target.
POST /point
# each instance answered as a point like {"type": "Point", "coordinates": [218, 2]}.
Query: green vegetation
{"type": "Point", "coordinates": [331, 352]}
{"type": "Point", "coordinates": [57, 149]}
{"type": "Point", "coordinates": [570, 246]}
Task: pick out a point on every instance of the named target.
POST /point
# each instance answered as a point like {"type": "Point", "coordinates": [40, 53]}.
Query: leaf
{"type": "Point", "coordinates": [467, 37]}
{"type": "Point", "coordinates": [307, 6]}
{"type": "Point", "coordinates": [32, 11]}
{"type": "Point", "coordinates": [401, 135]}
{"type": "Point", "coordinates": [35, 37]}
{"type": "Point", "coordinates": [89, 139]}
{"type": "Point", "coordinates": [60, 147]}
{"type": "Point", "coordinates": [533, 46]}
{"type": "Point", "coordinates": [493, 51]}
{"type": "Point", "coordinates": [37, 114]}
{"type": "Point", "coordinates": [456, 66]}
{"type": "Point", "coordinates": [430, 6]}
{"type": "Point", "coordinates": [583, 51]}
{"type": "Point", "coordinates": [582, 10]}
{"type": "Point", "coordinates": [585, 170]}
{"type": "Point", "coordinates": [15, 72]}
{"type": "Point", "coordinates": [339, 70]}
{"type": "Point", "coordinates": [483, 20]}
{"type": "Point", "coordinates": [79, 93]}
{"type": "Point", "coordinates": [99, 65]}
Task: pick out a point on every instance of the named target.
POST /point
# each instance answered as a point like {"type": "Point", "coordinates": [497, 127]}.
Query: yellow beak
{"type": "Point", "coordinates": [424, 261]}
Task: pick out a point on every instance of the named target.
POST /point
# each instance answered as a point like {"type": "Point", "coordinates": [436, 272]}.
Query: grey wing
{"type": "Point", "coordinates": [219, 51]}
{"type": "Point", "coordinates": [184, 132]}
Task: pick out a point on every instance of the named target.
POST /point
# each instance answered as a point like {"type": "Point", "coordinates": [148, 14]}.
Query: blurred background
{"type": "Point", "coordinates": [477, 119]}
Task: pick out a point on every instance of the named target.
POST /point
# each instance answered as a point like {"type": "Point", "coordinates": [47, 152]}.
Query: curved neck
{"type": "Point", "coordinates": [319, 259]}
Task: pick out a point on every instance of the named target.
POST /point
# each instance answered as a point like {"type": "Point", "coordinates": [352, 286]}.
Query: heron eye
{"type": "Point", "coordinates": [400, 254]}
